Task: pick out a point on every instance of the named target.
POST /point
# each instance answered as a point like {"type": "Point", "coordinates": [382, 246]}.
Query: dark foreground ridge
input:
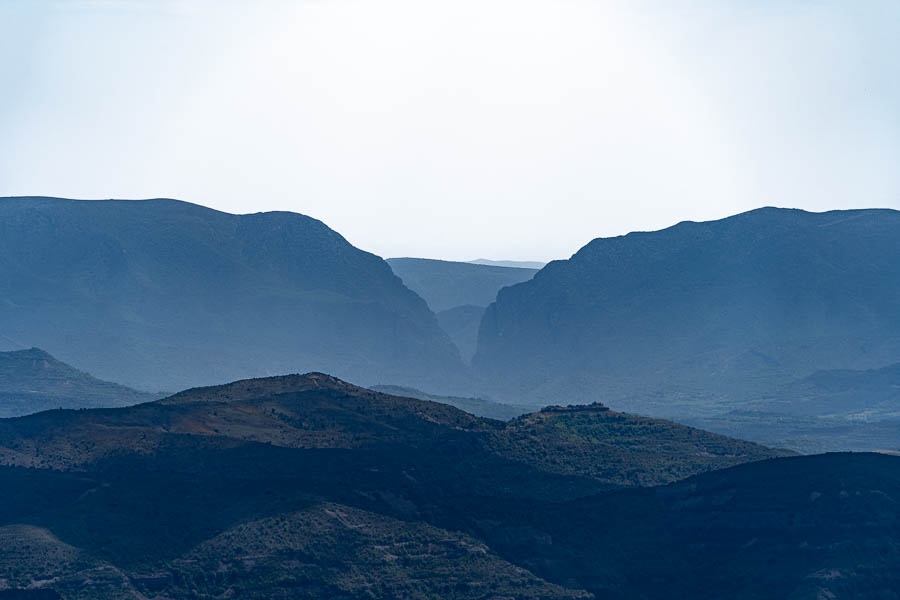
{"type": "Point", "coordinates": [305, 486]}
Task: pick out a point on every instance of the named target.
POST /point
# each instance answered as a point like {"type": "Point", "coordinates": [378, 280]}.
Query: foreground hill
{"type": "Point", "coordinates": [161, 294]}
{"type": "Point", "coordinates": [307, 487]}
{"type": "Point", "coordinates": [32, 381]}
{"type": "Point", "coordinates": [702, 316]}
{"type": "Point", "coordinates": [814, 527]}
{"type": "Point", "coordinates": [317, 411]}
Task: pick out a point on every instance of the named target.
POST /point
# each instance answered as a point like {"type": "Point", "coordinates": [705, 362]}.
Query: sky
{"type": "Point", "coordinates": [459, 129]}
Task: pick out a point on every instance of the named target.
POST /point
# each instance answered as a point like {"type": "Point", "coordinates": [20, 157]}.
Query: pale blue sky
{"type": "Point", "coordinates": [499, 128]}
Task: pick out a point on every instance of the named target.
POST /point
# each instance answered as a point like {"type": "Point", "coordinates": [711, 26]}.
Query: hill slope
{"type": "Point", "coordinates": [161, 294]}
{"type": "Point", "coordinates": [307, 487]}
{"type": "Point", "coordinates": [321, 412]}
{"type": "Point", "coordinates": [32, 381]}
{"type": "Point", "coordinates": [825, 526]}
{"type": "Point", "coordinates": [701, 316]}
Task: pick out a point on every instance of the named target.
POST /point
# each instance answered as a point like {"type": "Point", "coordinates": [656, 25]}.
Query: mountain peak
{"type": "Point", "coordinates": [33, 352]}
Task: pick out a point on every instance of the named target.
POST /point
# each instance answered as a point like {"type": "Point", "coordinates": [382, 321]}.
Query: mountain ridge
{"type": "Point", "coordinates": [316, 410]}
{"type": "Point", "coordinates": [164, 294]}
{"type": "Point", "coordinates": [457, 292]}
{"type": "Point", "coordinates": [446, 284]}
{"type": "Point", "coordinates": [705, 314]}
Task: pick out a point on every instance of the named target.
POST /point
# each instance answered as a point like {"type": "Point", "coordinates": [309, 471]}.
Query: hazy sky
{"type": "Point", "coordinates": [459, 129]}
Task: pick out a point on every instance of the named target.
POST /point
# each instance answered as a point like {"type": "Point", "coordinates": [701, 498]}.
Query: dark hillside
{"type": "Point", "coordinates": [825, 526]}
{"type": "Point", "coordinates": [308, 487]}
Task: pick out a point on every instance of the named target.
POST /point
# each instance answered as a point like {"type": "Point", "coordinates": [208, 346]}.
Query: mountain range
{"type": "Point", "coordinates": [164, 295]}
{"type": "Point", "coordinates": [480, 407]}
{"type": "Point", "coordinates": [517, 264]}
{"type": "Point", "coordinates": [856, 394]}
{"type": "Point", "coordinates": [777, 326]}
{"type": "Point", "coordinates": [446, 284]}
{"type": "Point", "coordinates": [833, 410]}
{"type": "Point", "coordinates": [458, 292]}
{"type": "Point", "coordinates": [308, 487]}
{"type": "Point", "coordinates": [701, 318]}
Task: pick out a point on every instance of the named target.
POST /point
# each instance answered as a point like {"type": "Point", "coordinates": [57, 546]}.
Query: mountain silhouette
{"type": "Point", "coordinates": [517, 264]}
{"type": "Point", "coordinates": [458, 292]}
{"type": "Point", "coordinates": [447, 284]}
{"type": "Point", "coordinates": [164, 295]}
{"type": "Point", "coordinates": [701, 317]}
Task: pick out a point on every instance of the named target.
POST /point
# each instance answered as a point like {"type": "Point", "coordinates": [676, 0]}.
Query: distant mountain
{"type": "Point", "coordinates": [476, 406]}
{"type": "Point", "coordinates": [458, 292]}
{"type": "Point", "coordinates": [828, 411]}
{"type": "Point", "coordinates": [8, 345]}
{"type": "Point", "coordinates": [860, 394]}
{"type": "Point", "coordinates": [307, 487]}
{"type": "Point", "coordinates": [462, 323]}
{"type": "Point", "coordinates": [32, 381]}
{"type": "Point", "coordinates": [445, 284]}
{"type": "Point", "coordinates": [701, 318]}
{"type": "Point", "coordinates": [162, 294]}
{"type": "Point", "coordinates": [516, 264]}
{"type": "Point", "coordinates": [834, 410]}
{"type": "Point", "coordinates": [804, 434]}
